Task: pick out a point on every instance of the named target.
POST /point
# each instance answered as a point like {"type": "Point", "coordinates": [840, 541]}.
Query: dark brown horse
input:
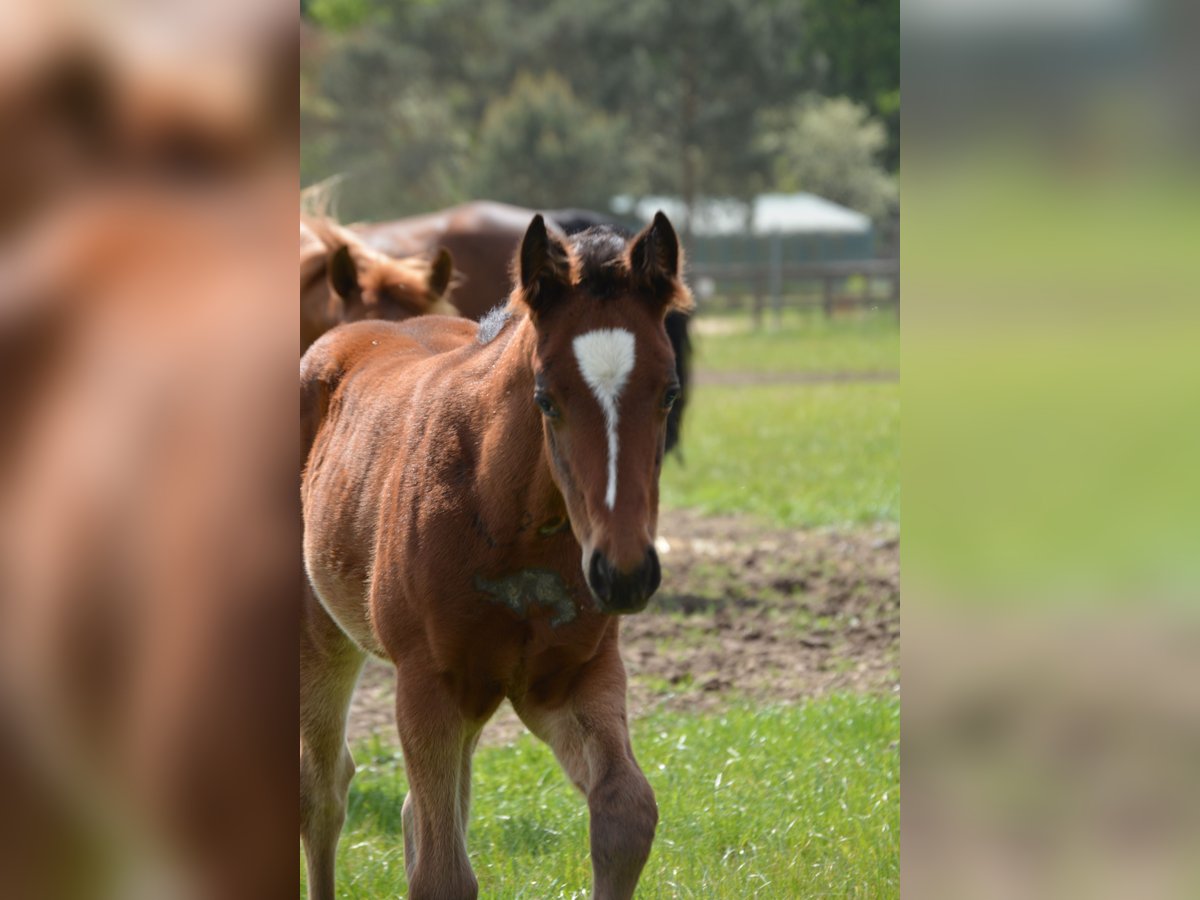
{"type": "Point", "coordinates": [342, 279]}
{"type": "Point", "coordinates": [479, 502]}
{"type": "Point", "coordinates": [482, 236]}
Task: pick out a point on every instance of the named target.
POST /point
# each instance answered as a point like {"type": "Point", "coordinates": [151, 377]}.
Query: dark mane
{"type": "Point", "coordinates": [602, 269]}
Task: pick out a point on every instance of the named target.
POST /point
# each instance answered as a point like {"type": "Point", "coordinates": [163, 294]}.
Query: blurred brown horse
{"type": "Point", "coordinates": [147, 547]}
{"type": "Point", "coordinates": [482, 236]}
{"type": "Point", "coordinates": [147, 451]}
{"type": "Point", "coordinates": [479, 504]}
{"type": "Point", "coordinates": [342, 279]}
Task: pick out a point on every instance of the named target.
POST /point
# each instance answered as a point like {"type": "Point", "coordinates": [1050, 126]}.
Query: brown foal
{"type": "Point", "coordinates": [480, 501]}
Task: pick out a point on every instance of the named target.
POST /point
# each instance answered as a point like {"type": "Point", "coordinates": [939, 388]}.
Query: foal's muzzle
{"type": "Point", "coordinates": [623, 592]}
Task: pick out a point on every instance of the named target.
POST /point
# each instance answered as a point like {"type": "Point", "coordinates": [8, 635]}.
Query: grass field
{"type": "Point", "coordinates": [794, 455]}
{"type": "Point", "coordinates": [808, 341]}
{"type": "Point", "coordinates": [789, 802]}
{"type": "Point", "coordinates": [805, 455]}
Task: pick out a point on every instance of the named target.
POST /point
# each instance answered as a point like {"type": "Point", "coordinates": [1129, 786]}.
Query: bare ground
{"type": "Point", "coordinates": [745, 612]}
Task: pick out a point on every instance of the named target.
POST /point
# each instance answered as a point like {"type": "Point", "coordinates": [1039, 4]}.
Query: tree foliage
{"type": "Point", "coordinates": [856, 53]}
{"type": "Point", "coordinates": [830, 147]}
{"type": "Point", "coordinates": [659, 96]}
{"type": "Point", "coordinates": [541, 146]}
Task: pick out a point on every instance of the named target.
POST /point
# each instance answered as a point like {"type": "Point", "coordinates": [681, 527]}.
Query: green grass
{"type": "Point", "coordinates": [807, 342]}
{"type": "Point", "coordinates": [785, 802]}
{"type": "Point", "coordinates": [794, 455]}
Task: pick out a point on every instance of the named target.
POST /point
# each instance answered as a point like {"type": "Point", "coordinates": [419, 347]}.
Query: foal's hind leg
{"type": "Point", "coordinates": [329, 667]}
{"type": "Point", "coordinates": [590, 736]}
{"type": "Point", "coordinates": [437, 742]}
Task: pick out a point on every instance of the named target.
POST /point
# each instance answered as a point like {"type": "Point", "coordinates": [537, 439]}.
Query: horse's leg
{"type": "Point", "coordinates": [435, 738]}
{"type": "Point", "coordinates": [464, 804]}
{"type": "Point", "coordinates": [590, 736]}
{"type": "Point", "coordinates": [329, 667]}
{"type": "Point", "coordinates": [464, 782]}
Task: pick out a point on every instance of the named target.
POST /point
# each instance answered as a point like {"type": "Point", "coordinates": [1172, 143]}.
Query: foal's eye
{"type": "Point", "coordinates": [670, 397]}
{"type": "Point", "coordinates": [546, 405]}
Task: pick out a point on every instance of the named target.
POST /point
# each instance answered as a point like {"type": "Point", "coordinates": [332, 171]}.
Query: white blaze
{"type": "Point", "coordinates": [605, 361]}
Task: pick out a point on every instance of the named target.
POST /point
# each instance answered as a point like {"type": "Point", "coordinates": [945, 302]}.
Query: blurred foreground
{"type": "Point", "coordinates": [1051, 637]}
{"type": "Point", "coordinates": [148, 520]}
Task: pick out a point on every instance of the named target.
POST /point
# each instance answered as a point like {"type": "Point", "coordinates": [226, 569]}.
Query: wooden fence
{"type": "Point", "coordinates": [835, 281]}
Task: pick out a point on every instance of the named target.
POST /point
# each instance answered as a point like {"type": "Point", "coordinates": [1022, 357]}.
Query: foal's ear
{"type": "Point", "coordinates": [343, 274]}
{"type": "Point", "coordinates": [543, 267]}
{"type": "Point", "coordinates": [654, 254]}
{"type": "Point", "coordinates": [441, 272]}
{"type": "Point", "coordinates": [655, 260]}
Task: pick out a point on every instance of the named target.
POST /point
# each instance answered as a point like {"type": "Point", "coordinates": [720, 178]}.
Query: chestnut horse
{"type": "Point", "coordinates": [480, 502]}
{"type": "Point", "coordinates": [482, 236]}
{"type": "Point", "coordinates": [342, 279]}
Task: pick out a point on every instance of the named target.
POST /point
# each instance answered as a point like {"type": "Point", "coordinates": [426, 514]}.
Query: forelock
{"type": "Point", "coordinates": [601, 270]}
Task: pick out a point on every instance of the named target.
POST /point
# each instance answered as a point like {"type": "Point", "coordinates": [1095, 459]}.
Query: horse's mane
{"type": "Point", "coordinates": [319, 200]}
{"type": "Point", "coordinates": [493, 323]}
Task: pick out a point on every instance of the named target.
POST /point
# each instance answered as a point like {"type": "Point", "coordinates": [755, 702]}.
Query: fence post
{"type": "Point", "coordinates": [776, 277]}
{"type": "Point", "coordinates": [828, 300]}
{"type": "Point", "coordinates": [758, 301]}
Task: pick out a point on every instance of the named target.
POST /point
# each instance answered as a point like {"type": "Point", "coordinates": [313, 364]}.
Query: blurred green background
{"type": "Point", "coordinates": [1051, 568]}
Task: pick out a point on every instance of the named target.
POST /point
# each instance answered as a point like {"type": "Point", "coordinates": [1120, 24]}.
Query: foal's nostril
{"type": "Point", "coordinates": [600, 576]}
{"type": "Point", "coordinates": [652, 572]}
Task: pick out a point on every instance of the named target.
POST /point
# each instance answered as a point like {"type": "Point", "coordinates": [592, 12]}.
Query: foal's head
{"type": "Point", "coordinates": [362, 283]}
{"type": "Point", "coordinates": [375, 286]}
{"type": "Point", "coordinates": [604, 382]}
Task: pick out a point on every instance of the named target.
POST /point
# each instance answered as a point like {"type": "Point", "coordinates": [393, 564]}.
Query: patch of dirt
{"type": "Point", "coordinates": [719, 326]}
{"type": "Point", "coordinates": [744, 612]}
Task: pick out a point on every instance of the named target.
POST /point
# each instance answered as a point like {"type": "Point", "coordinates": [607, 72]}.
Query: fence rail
{"type": "Point", "coordinates": [767, 282]}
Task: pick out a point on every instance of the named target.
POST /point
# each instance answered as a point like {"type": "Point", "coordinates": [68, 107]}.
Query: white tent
{"type": "Point", "coordinates": [769, 214]}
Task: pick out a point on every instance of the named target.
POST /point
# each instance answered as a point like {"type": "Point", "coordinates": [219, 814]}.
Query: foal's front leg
{"type": "Point", "coordinates": [435, 739]}
{"type": "Point", "coordinates": [590, 736]}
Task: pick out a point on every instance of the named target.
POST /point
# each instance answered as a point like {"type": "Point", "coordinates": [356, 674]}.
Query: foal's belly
{"type": "Point", "coordinates": [345, 601]}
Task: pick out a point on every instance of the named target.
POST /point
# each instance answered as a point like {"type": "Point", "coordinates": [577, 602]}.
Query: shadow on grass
{"type": "Point", "coordinates": [519, 836]}
{"type": "Point", "coordinates": [377, 808]}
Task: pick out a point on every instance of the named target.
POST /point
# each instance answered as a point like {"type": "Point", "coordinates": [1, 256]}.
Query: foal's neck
{"type": "Point", "coordinates": [519, 491]}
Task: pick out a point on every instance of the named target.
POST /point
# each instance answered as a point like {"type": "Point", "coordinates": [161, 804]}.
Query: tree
{"type": "Point", "coordinates": [377, 120]}
{"type": "Point", "coordinates": [690, 76]}
{"type": "Point", "coordinates": [424, 96]}
{"type": "Point", "coordinates": [830, 147]}
{"type": "Point", "coordinates": [854, 51]}
{"type": "Point", "coordinates": [540, 146]}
